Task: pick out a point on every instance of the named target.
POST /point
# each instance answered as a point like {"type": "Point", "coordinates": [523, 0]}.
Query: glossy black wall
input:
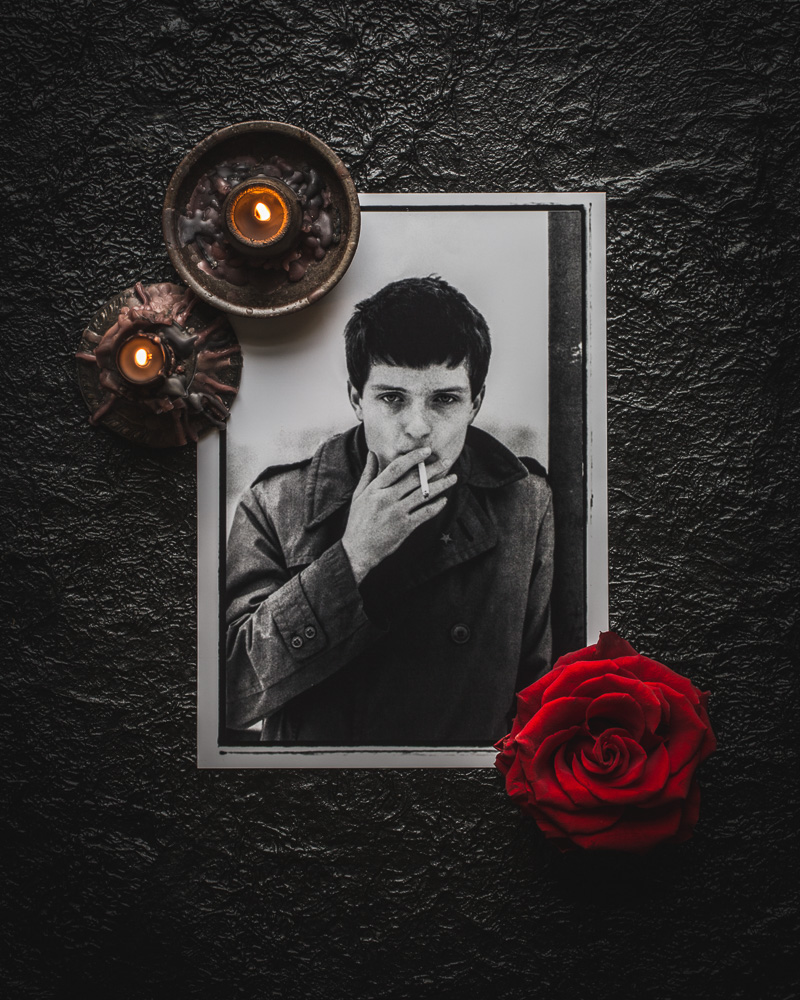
{"type": "Point", "coordinates": [135, 875]}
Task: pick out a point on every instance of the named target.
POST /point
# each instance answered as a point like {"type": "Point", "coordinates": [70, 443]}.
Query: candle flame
{"type": "Point", "coordinates": [142, 357]}
{"type": "Point", "coordinates": [261, 212]}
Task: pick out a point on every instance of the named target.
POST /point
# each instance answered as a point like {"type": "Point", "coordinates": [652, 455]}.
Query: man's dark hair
{"type": "Point", "coordinates": [414, 323]}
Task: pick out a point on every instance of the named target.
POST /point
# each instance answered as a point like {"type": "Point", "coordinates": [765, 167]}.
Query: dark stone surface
{"type": "Point", "coordinates": [133, 874]}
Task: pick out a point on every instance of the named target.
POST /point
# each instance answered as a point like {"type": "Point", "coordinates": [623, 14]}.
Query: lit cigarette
{"type": "Point", "coordinates": [423, 480]}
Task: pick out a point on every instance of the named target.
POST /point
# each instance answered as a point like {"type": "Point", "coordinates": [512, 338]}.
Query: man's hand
{"type": "Point", "coordinates": [388, 506]}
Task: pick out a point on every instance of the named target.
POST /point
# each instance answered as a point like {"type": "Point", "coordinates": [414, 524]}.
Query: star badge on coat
{"type": "Point", "coordinates": [445, 539]}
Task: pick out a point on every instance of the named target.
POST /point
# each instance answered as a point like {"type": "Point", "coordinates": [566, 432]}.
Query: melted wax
{"type": "Point", "coordinates": [203, 223]}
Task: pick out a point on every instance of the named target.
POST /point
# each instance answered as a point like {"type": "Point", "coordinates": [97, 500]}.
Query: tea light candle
{"type": "Point", "coordinates": [141, 359]}
{"type": "Point", "coordinates": [262, 216]}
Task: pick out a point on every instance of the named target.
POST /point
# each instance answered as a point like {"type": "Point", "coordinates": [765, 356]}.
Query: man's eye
{"type": "Point", "coordinates": [446, 399]}
{"type": "Point", "coordinates": [391, 397]}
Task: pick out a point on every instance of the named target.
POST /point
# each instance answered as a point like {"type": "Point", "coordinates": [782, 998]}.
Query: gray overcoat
{"type": "Point", "coordinates": [435, 655]}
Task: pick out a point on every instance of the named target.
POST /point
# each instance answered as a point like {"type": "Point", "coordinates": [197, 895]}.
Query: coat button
{"type": "Point", "coordinates": [460, 634]}
{"type": "Point", "coordinates": [309, 631]}
{"type": "Point", "coordinates": [297, 642]}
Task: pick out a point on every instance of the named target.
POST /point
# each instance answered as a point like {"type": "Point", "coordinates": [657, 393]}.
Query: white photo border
{"type": "Point", "coordinates": [211, 521]}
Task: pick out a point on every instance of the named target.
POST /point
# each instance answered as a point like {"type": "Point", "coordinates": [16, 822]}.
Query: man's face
{"type": "Point", "coordinates": [407, 408]}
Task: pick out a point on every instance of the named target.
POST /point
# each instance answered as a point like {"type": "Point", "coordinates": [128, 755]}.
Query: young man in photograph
{"type": "Point", "coordinates": [394, 589]}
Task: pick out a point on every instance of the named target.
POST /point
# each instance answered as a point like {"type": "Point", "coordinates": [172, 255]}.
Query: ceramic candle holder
{"type": "Point", "coordinates": [158, 366]}
{"type": "Point", "coordinates": [214, 238]}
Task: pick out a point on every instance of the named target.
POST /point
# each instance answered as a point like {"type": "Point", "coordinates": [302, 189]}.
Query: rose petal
{"type": "Point", "coordinates": [691, 814]}
{"type": "Point", "coordinates": [686, 730]}
{"type": "Point", "coordinates": [607, 754]}
{"type": "Point", "coordinates": [577, 792]}
{"type": "Point", "coordinates": [656, 673]}
{"type": "Point", "coordinates": [654, 776]}
{"type": "Point", "coordinates": [544, 783]}
{"type": "Point", "coordinates": [529, 700]}
{"type": "Point", "coordinates": [570, 677]}
{"type": "Point", "coordinates": [643, 693]}
{"type": "Point", "coordinates": [679, 784]}
{"type": "Point", "coordinates": [507, 754]}
{"type": "Point", "coordinates": [553, 717]}
{"type": "Point", "coordinates": [665, 709]}
{"type": "Point", "coordinates": [581, 821]}
{"type": "Point", "coordinates": [517, 784]}
{"type": "Point", "coordinates": [710, 741]}
{"type": "Point", "coordinates": [636, 759]}
{"type": "Point", "coordinates": [620, 710]}
{"type": "Point", "coordinates": [611, 646]}
{"type": "Point", "coordinates": [638, 830]}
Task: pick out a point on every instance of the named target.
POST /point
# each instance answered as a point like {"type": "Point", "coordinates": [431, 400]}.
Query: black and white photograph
{"type": "Point", "coordinates": [401, 561]}
{"type": "Point", "coordinates": [405, 521]}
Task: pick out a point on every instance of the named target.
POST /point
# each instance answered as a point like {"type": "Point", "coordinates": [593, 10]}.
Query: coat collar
{"type": "Point", "coordinates": [338, 463]}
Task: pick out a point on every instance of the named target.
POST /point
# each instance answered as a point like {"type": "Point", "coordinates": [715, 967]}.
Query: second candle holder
{"type": "Point", "coordinates": [158, 366]}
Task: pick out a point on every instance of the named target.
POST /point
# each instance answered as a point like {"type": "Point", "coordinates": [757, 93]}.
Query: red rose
{"type": "Point", "coordinates": [604, 748]}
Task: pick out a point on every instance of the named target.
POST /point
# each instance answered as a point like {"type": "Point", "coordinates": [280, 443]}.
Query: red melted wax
{"type": "Point", "coordinates": [202, 222]}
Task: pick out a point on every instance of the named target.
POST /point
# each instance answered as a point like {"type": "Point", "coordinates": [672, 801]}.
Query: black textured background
{"type": "Point", "coordinates": [134, 875]}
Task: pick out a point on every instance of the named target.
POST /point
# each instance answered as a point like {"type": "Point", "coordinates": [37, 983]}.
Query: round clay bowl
{"type": "Point", "coordinates": [260, 296]}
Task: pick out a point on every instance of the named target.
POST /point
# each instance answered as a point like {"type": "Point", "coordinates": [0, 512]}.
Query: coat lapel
{"type": "Point", "coordinates": [466, 535]}
{"type": "Point", "coordinates": [333, 476]}
{"type": "Point", "coordinates": [471, 530]}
